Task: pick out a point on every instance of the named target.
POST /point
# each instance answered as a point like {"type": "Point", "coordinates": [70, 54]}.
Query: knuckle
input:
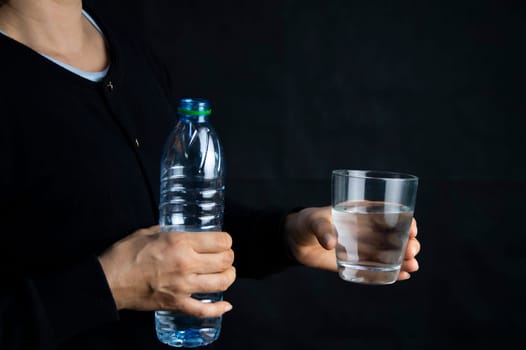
{"type": "Point", "coordinates": [203, 312]}
{"type": "Point", "coordinates": [228, 257]}
{"type": "Point", "coordinates": [225, 240]}
{"type": "Point", "coordinates": [182, 285]}
{"type": "Point", "coordinates": [173, 239]}
{"type": "Point", "coordinates": [183, 264]}
{"type": "Point", "coordinates": [218, 284]}
{"type": "Point", "coordinates": [418, 246]}
{"type": "Point", "coordinates": [226, 280]}
{"type": "Point", "coordinates": [321, 225]}
{"type": "Point", "coordinates": [224, 283]}
{"type": "Point", "coordinates": [179, 305]}
{"type": "Point", "coordinates": [414, 266]}
{"type": "Point", "coordinates": [168, 302]}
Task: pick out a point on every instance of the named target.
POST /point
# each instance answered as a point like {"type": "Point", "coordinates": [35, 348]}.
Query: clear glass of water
{"type": "Point", "coordinates": [372, 212]}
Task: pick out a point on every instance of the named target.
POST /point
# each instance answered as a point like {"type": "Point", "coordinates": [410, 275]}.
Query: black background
{"type": "Point", "coordinates": [301, 87]}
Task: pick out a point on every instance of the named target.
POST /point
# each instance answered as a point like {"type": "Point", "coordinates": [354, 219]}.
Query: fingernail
{"type": "Point", "coordinates": [327, 238]}
{"type": "Point", "coordinates": [228, 308]}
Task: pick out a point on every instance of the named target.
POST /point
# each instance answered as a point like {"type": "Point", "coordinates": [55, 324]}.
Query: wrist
{"type": "Point", "coordinates": [289, 229]}
{"type": "Point", "coordinates": [107, 266]}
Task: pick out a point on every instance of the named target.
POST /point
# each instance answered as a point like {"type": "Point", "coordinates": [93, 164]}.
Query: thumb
{"type": "Point", "coordinates": [148, 231]}
{"type": "Point", "coordinates": [324, 232]}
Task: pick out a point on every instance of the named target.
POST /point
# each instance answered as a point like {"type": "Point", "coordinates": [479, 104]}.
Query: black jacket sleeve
{"type": "Point", "coordinates": [259, 242]}
{"type": "Point", "coordinates": [42, 312]}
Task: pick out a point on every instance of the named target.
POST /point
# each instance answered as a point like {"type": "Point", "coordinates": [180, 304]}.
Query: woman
{"type": "Point", "coordinates": [85, 112]}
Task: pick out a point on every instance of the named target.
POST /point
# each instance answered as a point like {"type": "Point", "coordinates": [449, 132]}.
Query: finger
{"type": "Point", "coordinates": [403, 275]}
{"type": "Point", "coordinates": [200, 309]}
{"type": "Point", "coordinates": [208, 242]}
{"type": "Point", "coordinates": [212, 283]}
{"type": "Point", "coordinates": [410, 265]}
{"type": "Point", "coordinates": [324, 232]}
{"type": "Point", "coordinates": [214, 262]}
{"type": "Point", "coordinates": [413, 230]}
{"type": "Point", "coordinates": [413, 248]}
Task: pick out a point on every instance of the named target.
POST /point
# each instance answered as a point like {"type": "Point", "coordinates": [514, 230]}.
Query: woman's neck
{"type": "Point", "coordinates": [55, 28]}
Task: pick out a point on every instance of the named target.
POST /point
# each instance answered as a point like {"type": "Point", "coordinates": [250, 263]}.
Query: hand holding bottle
{"type": "Point", "coordinates": [150, 270]}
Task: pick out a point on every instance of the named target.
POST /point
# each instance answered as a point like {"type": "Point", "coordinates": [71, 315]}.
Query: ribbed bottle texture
{"type": "Point", "coordinates": [192, 200]}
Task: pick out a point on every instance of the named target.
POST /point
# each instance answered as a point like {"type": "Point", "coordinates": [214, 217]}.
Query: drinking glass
{"type": "Point", "coordinates": [372, 212]}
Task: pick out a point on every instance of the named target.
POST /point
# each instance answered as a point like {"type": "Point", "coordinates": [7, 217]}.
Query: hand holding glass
{"type": "Point", "coordinates": [372, 212]}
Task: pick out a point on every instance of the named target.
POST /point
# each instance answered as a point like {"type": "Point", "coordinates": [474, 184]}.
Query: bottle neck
{"type": "Point", "coordinates": [194, 118]}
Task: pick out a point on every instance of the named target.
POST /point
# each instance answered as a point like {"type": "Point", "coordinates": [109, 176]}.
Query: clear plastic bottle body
{"type": "Point", "coordinates": [191, 200]}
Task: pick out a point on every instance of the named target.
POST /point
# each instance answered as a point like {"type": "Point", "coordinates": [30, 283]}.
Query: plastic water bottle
{"type": "Point", "coordinates": [192, 199]}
